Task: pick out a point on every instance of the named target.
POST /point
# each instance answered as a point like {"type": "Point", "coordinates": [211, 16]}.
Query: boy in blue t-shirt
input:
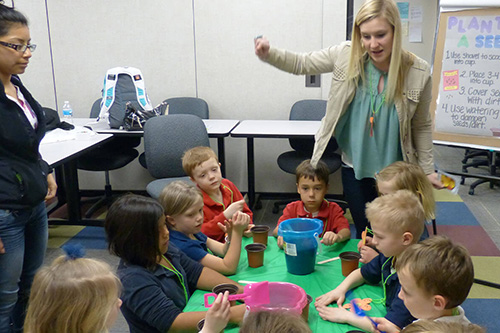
{"type": "Point", "coordinates": [397, 222]}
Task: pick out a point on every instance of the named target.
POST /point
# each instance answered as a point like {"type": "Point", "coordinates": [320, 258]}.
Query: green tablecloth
{"type": "Point", "coordinates": [324, 278]}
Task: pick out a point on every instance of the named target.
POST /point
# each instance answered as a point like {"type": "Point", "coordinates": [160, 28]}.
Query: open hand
{"type": "Point", "coordinates": [52, 187]}
{"type": "Point", "coordinates": [335, 315]}
{"type": "Point", "coordinates": [329, 297]}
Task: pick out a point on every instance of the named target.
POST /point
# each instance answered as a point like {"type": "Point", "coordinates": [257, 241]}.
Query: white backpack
{"type": "Point", "coordinates": [122, 85]}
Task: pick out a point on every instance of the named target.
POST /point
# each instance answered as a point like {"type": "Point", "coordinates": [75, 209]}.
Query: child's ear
{"type": "Point", "coordinates": [298, 190]}
{"type": "Point", "coordinates": [439, 302]}
{"type": "Point", "coordinates": [192, 179]}
{"type": "Point", "coordinates": [407, 238]}
{"type": "Point", "coordinates": [170, 220]}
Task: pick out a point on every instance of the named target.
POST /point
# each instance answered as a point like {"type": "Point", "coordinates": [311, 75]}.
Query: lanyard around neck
{"type": "Point", "coordinates": [374, 109]}
{"type": "Point", "coordinates": [222, 203]}
{"type": "Point", "coordinates": [179, 275]}
{"type": "Point", "coordinates": [384, 282]}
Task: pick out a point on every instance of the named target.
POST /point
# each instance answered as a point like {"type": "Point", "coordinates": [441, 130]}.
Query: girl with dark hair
{"type": "Point", "coordinates": [25, 181]}
{"type": "Point", "coordinates": [157, 278]}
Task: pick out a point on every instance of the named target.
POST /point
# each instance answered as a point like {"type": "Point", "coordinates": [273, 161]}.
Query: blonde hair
{"type": "Point", "coordinates": [400, 211]}
{"type": "Point", "coordinates": [401, 60]}
{"type": "Point", "coordinates": [429, 326]}
{"type": "Point", "coordinates": [409, 176]}
{"type": "Point", "coordinates": [72, 295]}
{"type": "Point", "coordinates": [274, 322]}
{"type": "Point", "coordinates": [195, 156]}
{"type": "Point", "coordinates": [439, 267]}
{"type": "Point", "coordinates": [179, 196]}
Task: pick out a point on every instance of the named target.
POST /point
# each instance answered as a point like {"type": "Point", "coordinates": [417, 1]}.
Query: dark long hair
{"type": "Point", "coordinates": [8, 17]}
{"type": "Point", "coordinates": [132, 230]}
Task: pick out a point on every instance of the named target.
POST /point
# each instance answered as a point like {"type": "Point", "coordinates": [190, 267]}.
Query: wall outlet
{"type": "Point", "coordinates": [313, 81]}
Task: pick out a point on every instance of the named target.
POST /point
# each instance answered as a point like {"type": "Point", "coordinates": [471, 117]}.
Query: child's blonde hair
{"type": "Point", "coordinates": [72, 295]}
{"type": "Point", "coordinates": [179, 196]}
{"type": "Point", "coordinates": [409, 176]}
{"type": "Point", "coordinates": [274, 322]}
{"type": "Point", "coordinates": [195, 156]}
{"type": "Point", "coordinates": [439, 267]}
{"type": "Point", "coordinates": [400, 211]}
{"type": "Point", "coordinates": [430, 326]}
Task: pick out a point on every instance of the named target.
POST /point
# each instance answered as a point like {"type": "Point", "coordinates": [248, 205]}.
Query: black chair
{"type": "Point", "coordinates": [480, 157]}
{"type": "Point", "coordinates": [111, 155]}
{"type": "Point", "coordinates": [309, 109]}
{"type": "Point", "coordinates": [181, 105]}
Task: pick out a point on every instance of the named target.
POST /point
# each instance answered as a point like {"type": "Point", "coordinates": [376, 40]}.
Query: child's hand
{"type": "Point", "coordinates": [248, 230]}
{"type": "Point", "coordinates": [367, 254]}
{"type": "Point", "coordinates": [236, 206]}
{"type": "Point", "coordinates": [384, 325]}
{"type": "Point", "coordinates": [218, 315]}
{"type": "Point", "coordinates": [330, 238]}
{"type": "Point", "coordinates": [335, 315]}
{"type": "Point", "coordinates": [280, 242]}
{"type": "Point", "coordinates": [225, 227]}
{"type": "Point", "coordinates": [240, 222]}
{"type": "Point", "coordinates": [368, 242]}
{"type": "Point", "coordinates": [329, 297]}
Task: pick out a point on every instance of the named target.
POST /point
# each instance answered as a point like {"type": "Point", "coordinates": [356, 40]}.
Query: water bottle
{"type": "Point", "coordinates": [67, 112]}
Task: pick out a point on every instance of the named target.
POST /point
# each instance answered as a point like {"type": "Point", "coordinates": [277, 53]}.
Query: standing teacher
{"type": "Point", "coordinates": [24, 178]}
{"type": "Point", "coordinates": [378, 105]}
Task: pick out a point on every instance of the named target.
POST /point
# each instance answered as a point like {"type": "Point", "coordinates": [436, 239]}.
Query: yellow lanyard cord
{"type": "Point", "coordinates": [374, 109]}
{"type": "Point", "coordinates": [179, 275]}
{"type": "Point", "coordinates": [384, 282]}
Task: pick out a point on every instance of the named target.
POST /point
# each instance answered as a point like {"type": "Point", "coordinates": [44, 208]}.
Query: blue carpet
{"type": "Point", "coordinates": [90, 238]}
{"type": "Point", "coordinates": [483, 312]}
{"type": "Point", "coordinates": [454, 213]}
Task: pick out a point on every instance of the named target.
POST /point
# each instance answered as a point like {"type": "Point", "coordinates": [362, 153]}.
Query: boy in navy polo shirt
{"type": "Point", "coordinates": [397, 222]}
{"type": "Point", "coordinates": [312, 185]}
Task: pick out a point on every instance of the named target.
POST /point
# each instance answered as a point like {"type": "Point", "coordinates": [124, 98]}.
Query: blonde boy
{"type": "Point", "coordinates": [312, 185]}
{"type": "Point", "coordinates": [436, 276]}
{"type": "Point", "coordinates": [221, 197]}
{"type": "Point", "coordinates": [397, 221]}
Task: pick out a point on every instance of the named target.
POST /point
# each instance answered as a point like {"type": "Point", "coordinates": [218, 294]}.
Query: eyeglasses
{"type": "Point", "coordinates": [19, 47]}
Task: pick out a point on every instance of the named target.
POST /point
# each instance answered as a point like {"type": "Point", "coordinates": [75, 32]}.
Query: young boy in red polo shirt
{"type": "Point", "coordinates": [221, 198]}
{"type": "Point", "coordinates": [312, 185]}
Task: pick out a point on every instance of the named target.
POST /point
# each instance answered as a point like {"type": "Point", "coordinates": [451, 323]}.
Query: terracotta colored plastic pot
{"type": "Point", "coordinates": [221, 288]}
{"type": "Point", "coordinates": [350, 261]}
{"type": "Point", "coordinates": [260, 234]}
{"type": "Point", "coordinates": [305, 310]}
{"type": "Point", "coordinates": [255, 252]}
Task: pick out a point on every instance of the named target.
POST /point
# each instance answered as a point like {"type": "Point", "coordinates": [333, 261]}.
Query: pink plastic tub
{"type": "Point", "coordinates": [283, 296]}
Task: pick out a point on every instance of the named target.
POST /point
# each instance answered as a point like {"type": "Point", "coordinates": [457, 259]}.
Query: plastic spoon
{"type": "Point", "coordinates": [360, 313]}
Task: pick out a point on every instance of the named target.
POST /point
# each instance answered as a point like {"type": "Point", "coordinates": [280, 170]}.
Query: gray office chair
{"type": "Point", "coordinates": [182, 105]}
{"type": "Point", "coordinates": [166, 138]}
{"type": "Point", "coordinates": [309, 109]}
{"type": "Point", "coordinates": [111, 155]}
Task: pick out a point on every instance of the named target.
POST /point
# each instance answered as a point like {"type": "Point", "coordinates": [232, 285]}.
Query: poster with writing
{"type": "Point", "coordinates": [469, 89]}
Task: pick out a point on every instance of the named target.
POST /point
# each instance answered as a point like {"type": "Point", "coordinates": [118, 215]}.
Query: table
{"type": "Point", "coordinates": [216, 128]}
{"type": "Point", "coordinates": [325, 278]}
{"type": "Point", "coordinates": [62, 156]}
{"type": "Point", "coordinates": [275, 129]}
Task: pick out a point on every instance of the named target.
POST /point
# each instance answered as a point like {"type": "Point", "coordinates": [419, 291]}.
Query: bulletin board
{"type": "Point", "coordinates": [466, 78]}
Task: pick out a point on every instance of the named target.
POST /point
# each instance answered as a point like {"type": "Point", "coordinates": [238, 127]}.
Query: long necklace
{"type": "Point", "coordinates": [178, 274]}
{"type": "Point", "coordinates": [374, 109]}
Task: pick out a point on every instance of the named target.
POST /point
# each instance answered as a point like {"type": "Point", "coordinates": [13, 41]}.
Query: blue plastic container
{"type": "Point", "coordinates": [300, 237]}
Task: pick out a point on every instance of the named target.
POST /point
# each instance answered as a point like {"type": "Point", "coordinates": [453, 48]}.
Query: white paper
{"type": "Point", "coordinates": [415, 32]}
{"type": "Point", "coordinates": [404, 28]}
{"type": "Point", "coordinates": [416, 13]}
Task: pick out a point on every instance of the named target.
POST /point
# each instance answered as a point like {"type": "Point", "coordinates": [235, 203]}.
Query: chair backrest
{"type": "Point", "coordinates": [167, 137]}
{"type": "Point", "coordinates": [309, 109]}
{"type": "Point", "coordinates": [95, 109]}
{"type": "Point", "coordinates": [188, 105]}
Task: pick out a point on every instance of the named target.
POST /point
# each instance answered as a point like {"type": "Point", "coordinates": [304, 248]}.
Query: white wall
{"type": "Point", "coordinates": [159, 37]}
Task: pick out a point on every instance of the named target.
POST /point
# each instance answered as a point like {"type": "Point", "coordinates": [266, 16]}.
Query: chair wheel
{"type": "Point", "coordinates": [462, 181]}
{"type": "Point", "coordinates": [471, 191]}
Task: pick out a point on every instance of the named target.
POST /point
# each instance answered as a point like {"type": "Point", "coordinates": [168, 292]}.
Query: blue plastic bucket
{"type": "Point", "coordinates": [300, 242]}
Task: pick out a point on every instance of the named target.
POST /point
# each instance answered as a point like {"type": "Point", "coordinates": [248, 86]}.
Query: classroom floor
{"type": "Point", "coordinates": [472, 220]}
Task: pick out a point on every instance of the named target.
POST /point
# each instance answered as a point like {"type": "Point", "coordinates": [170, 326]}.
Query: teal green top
{"type": "Point", "coordinates": [370, 149]}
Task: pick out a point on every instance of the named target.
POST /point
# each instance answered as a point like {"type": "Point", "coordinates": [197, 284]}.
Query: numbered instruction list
{"type": "Point", "coordinates": [469, 91]}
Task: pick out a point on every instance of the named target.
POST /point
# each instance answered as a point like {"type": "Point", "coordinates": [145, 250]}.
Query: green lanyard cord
{"type": "Point", "coordinates": [222, 203]}
{"type": "Point", "coordinates": [179, 276]}
{"type": "Point", "coordinates": [384, 282]}
{"type": "Point", "coordinates": [374, 109]}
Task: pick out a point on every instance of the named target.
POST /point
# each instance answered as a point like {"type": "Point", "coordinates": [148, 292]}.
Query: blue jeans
{"type": "Point", "coordinates": [358, 193]}
{"type": "Point", "coordinates": [24, 235]}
